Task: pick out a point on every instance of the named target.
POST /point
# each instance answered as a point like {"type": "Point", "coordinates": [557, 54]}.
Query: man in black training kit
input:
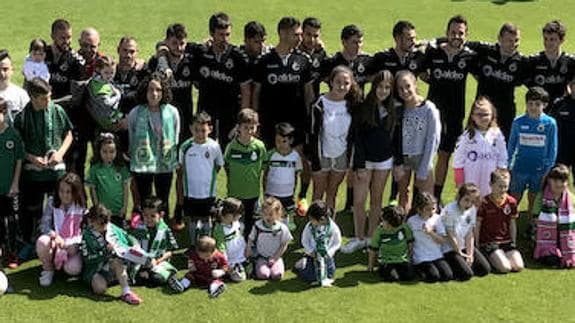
{"type": "Point", "coordinates": [501, 68]}
{"type": "Point", "coordinates": [254, 45]}
{"type": "Point", "coordinates": [283, 86]}
{"type": "Point", "coordinates": [222, 76]}
{"type": "Point", "coordinates": [448, 65]}
{"type": "Point", "coordinates": [176, 63]}
{"type": "Point", "coordinates": [404, 56]}
{"type": "Point", "coordinates": [552, 68]}
{"type": "Point", "coordinates": [313, 46]}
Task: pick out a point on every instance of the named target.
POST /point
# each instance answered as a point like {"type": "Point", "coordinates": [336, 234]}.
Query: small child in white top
{"type": "Point", "coordinates": [34, 64]}
{"type": "Point", "coordinates": [229, 236]}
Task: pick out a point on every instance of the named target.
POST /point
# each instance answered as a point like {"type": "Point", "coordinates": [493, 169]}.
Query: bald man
{"type": "Point", "coordinates": [89, 45]}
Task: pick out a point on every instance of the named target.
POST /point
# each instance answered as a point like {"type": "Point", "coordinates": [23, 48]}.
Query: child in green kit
{"type": "Point", "coordinates": [392, 240]}
{"type": "Point", "coordinates": [11, 155]}
{"type": "Point", "coordinates": [109, 178]}
{"type": "Point", "coordinates": [243, 161]}
{"type": "Point", "coordinates": [155, 238]}
{"type": "Point", "coordinates": [47, 134]}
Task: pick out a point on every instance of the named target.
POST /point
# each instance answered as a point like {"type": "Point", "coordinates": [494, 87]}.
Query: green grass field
{"type": "Point", "coordinates": [534, 295]}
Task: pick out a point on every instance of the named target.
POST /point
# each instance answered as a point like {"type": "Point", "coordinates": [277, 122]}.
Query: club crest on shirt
{"type": "Point", "coordinates": [64, 67]}
{"type": "Point", "coordinates": [118, 177]}
{"type": "Point", "coordinates": [315, 63]}
{"type": "Point", "coordinates": [229, 64]}
{"type": "Point", "coordinates": [513, 67]}
{"type": "Point", "coordinates": [9, 144]}
{"type": "Point", "coordinates": [204, 71]}
{"type": "Point", "coordinates": [295, 66]}
{"type": "Point", "coordinates": [468, 220]}
{"type": "Point", "coordinates": [563, 69]}
{"type": "Point", "coordinates": [400, 236]}
{"type": "Point", "coordinates": [462, 64]}
{"type": "Point", "coordinates": [540, 80]}
{"type": "Point", "coordinates": [546, 235]}
{"type": "Point", "coordinates": [507, 210]}
{"type": "Point", "coordinates": [254, 156]}
{"type": "Point", "coordinates": [472, 155]}
{"type": "Point", "coordinates": [207, 154]}
{"type": "Point", "coordinates": [541, 128]}
{"type": "Point", "coordinates": [360, 68]}
{"type": "Point", "coordinates": [413, 65]}
{"type": "Point", "coordinates": [134, 80]}
{"type": "Point", "coordinates": [186, 71]}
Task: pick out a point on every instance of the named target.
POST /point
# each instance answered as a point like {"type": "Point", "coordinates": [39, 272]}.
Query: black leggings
{"type": "Point", "coordinates": [162, 184]}
{"type": "Point", "coordinates": [32, 202]}
{"type": "Point", "coordinates": [461, 269]}
{"type": "Point", "coordinates": [249, 210]}
{"type": "Point", "coordinates": [396, 272]}
{"type": "Point", "coordinates": [434, 271]}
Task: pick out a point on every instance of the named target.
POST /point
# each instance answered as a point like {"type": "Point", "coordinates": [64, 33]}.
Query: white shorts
{"type": "Point", "coordinates": [383, 165]}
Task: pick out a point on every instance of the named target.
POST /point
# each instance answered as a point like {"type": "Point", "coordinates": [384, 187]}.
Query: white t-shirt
{"type": "Point", "coordinates": [269, 240]}
{"type": "Point", "coordinates": [461, 222]}
{"type": "Point", "coordinates": [198, 162]}
{"type": "Point", "coordinates": [17, 99]}
{"type": "Point", "coordinates": [33, 69]}
{"type": "Point", "coordinates": [282, 170]}
{"type": "Point", "coordinates": [236, 246]}
{"type": "Point", "coordinates": [336, 122]}
{"type": "Point", "coordinates": [424, 247]}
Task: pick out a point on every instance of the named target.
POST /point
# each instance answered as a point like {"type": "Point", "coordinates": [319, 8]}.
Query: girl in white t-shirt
{"type": "Point", "coordinates": [429, 235]}
{"type": "Point", "coordinates": [330, 130]}
{"type": "Point", "coordinates": [459, 219]}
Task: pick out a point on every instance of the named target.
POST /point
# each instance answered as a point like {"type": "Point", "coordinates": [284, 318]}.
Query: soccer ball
{"type": "Point", "coordinates": [3, 283]}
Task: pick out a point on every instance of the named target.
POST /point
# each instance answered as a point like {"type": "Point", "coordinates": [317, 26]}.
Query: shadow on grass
{"type": "Point", "coordinates": [499, 2]}
{"type": "Point", "coordinates": [293, 285]}
{"type": "Point", "coordinates": [25, 282]}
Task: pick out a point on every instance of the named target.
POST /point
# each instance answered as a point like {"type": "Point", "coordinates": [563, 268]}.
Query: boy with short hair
{"type": "Point", "coordinates": [281, 167]}
{"type": "Point", "coordinates": [46, 132]}
{"type": "Point", "coordinates": [244, 158]}
{"type": "Point", "coordinates": [14, 95]}
{"type": "Point", "coordinates": [158, 241]}
{"type": "Point", "coordinates": [11, 155]}
{"type": "Point", "coordinates": [200, 159]}
{"type": "Point", "coordinates": [207, 266]}
{"type": "Point", "coordinates": [532, 146]}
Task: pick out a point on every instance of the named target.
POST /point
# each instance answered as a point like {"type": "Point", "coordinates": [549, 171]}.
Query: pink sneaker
{"type": "Point", "coordinates": [131, 298]}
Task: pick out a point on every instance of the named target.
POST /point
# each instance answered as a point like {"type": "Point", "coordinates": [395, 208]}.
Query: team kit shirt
{"type": "Point", "coordinates": [552, 76]}
{"type": "Point", "coordinates": [108, 180]}
{"type": "Point", "coordinates": [230, 241]}
{"type": "Point", "coordinates": [281, 173]}
{"type": "Point", "coordinates": [532, 145]}
{"type": "Point", "coordinates": [268, 239]}
{"type": "Point", "coordinates": [389, 60]}
{"type": "Point", "coordinates": [392, 244]}
{"type": "Point", "coordinates": [564, 113]}
{"type": "Point", "coordinates": [16, 99]}
{"type": "Point", "coordinates": [219, 77]}
{"type": "Point", "coordinates": [424, 247]}
{"type": "Point", "coordinates": [11, 150]}
{"type": "Point", "coordinates": [479, 156]}
{"type": "Point", "coordinates": [318, 57]}
{"type": "Point", "coordinates": [460, 222]}
{"type": "Point", "coordinates": [496, 220]}
{"type": "Point", "coordinates": [244, 165]}
{"type": "Point", "coordinates": [447, 80]}
{"type": "Point", "coordinates": [128, 81]}
{"type": "Point", "coordinates": [67, 67]}
{"type": "Point", "coordinates": [360, 66]}
{"type": "Point", "coordinates": [282, 95]}
{"type": "Point", "coordinates": [497, 77]}
{"type": "Point", "coordinates": [200, 164]}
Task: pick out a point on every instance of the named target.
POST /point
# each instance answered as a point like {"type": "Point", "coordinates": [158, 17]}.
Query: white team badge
{"type": "Point", "coordinates": [541, 128]}
{"type": "Point", "coordinates": [272, 79]}
{"type": "Point", "coordinates": [118, 177]}
{"type": "Point", "coordinates": [563, 69]}
{"type": "Point", "coordinates": [513, 67]}
{"type": "Point", "coordinates": [205, 71]}
{"type": "Point", "coordinates": [229, 64]}
{"type": "Point", "coordinates": [295, 66]}
{"type": "Point", "coordinates": [186, 71]}
{"type": "Point", "coordinates": [461, 64]}
{"type": "Point", "coordinates": [400, 236]}
{"type": "Point", "coordinates": [360, 68]}
{"type": "Point", "coordinates": [254, 156]}
{"type": "Point", "coordinates": [315, 63]}
{"type": "Point", "coordinates": [507, 210]}
{"type": "Point", "coordinates": [412, 65]}
{"type": "Point", "coordinates": [64, 67]}
{"type": "Point", "coordinates": [9, 144]}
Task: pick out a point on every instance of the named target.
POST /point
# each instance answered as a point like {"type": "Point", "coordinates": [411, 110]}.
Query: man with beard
{"type": "Point", "coordinates": [448, 65]}
{"type": "Point", "coordinates": [312, 45]}
{"type": "Point", "coordinates": [129, 72]}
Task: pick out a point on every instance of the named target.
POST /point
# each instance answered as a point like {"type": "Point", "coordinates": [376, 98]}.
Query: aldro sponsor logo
{"type": "Point", "coordinates": [215, 74]}
{"type": "Point", "coordinates": [451, 75]}
{"type": "Point", "coordinates": [497, 74]}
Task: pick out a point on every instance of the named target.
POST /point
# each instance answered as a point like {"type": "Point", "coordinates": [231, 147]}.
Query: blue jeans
{"type": "Point", "coordinates": [309, 272]}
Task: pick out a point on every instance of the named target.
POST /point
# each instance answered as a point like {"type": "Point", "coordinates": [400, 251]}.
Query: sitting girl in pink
{"type": "Point", "coordinates": [61, 234]}
{"type": "Point", "coordinates": [555, 244]}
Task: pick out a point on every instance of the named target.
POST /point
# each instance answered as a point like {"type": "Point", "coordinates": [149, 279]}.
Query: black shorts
{"type": "Point", "coordinates": [198, 208]}
{"type": "Point", "coordinates": [450, 133]}
{"type": "Point", "coordinates": [489, 248]}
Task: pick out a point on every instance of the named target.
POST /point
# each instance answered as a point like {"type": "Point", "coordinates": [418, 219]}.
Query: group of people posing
{"type": "Point", "coordinates": [261, 117]}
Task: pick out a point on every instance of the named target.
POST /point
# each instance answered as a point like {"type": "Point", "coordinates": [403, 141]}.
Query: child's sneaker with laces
{"type": "Point", "coordinates": [175, 284]}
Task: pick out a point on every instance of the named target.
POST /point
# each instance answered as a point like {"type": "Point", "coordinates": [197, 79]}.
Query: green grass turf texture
{"type": "Point", "coordinates": [534, 295]}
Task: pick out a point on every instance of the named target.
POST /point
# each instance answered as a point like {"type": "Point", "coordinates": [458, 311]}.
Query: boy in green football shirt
{"type": "Point", "coordinates": [393, 241]}
{"type": "Point", "coordinates": [243, 162]}
{"type": "Point", "coordinates": [11, 155]}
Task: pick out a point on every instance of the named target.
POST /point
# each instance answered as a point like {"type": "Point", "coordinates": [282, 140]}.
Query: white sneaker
{"type": "Point", "coordinates": [46, 278]}
{"type": "Point", "coordinates": [353, 245]}
{"type": "Point", "coordinates": [328, 282]}
{"type": "Point", "coordinates": [300, 264]}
